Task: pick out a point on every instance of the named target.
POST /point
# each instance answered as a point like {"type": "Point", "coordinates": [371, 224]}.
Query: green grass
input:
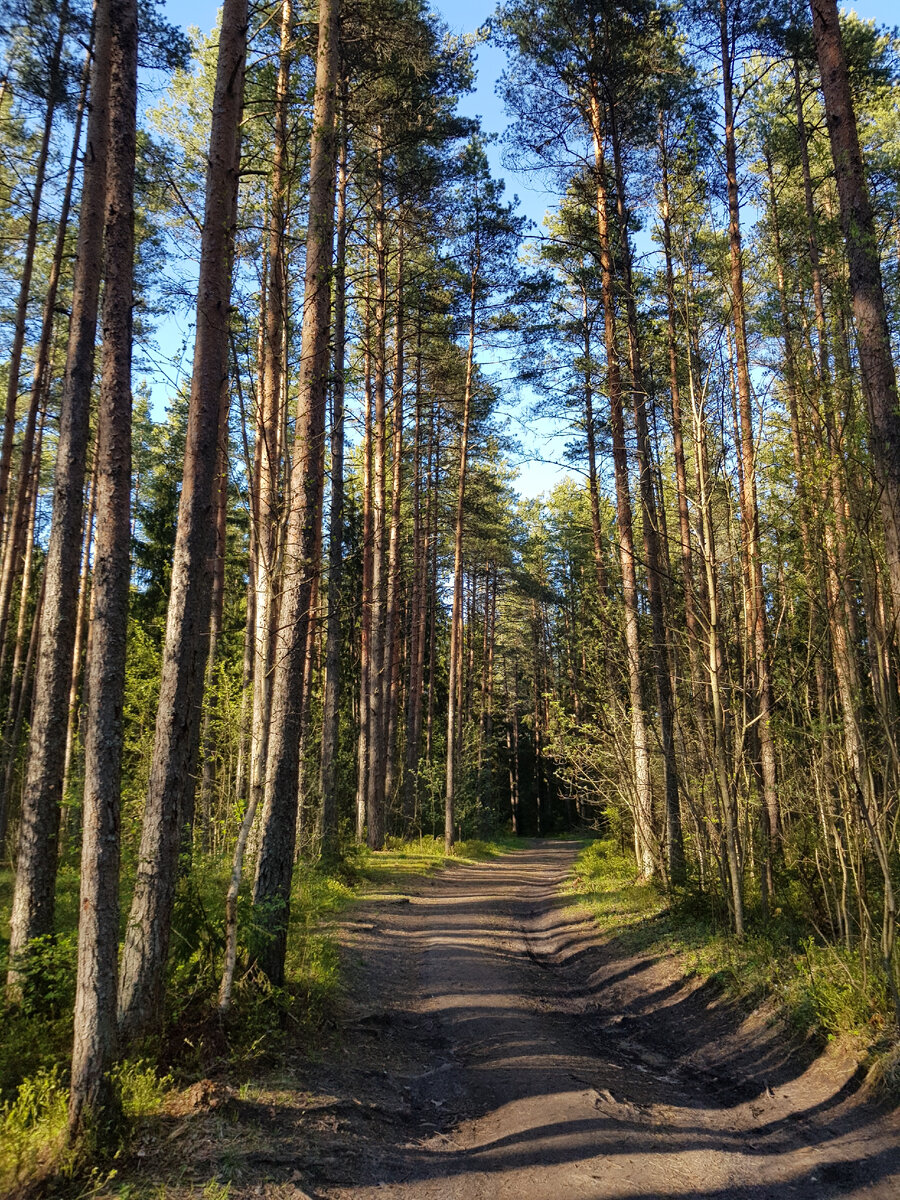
{"type": "Point", "coordinates": [820, 989]}
{"type": "Point", "coordinates": [400, 863]}
{"type": "Point", "coordinates": [35, 1044]}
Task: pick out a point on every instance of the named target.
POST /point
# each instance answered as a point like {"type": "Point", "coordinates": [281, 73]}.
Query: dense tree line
{"type": "Point", "coordinates": [305, 607]}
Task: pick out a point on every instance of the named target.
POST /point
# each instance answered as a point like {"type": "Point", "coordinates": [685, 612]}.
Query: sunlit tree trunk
{"type": "Point", "coordinates": [177, 734]}
{"type": "Point", "coordinates": [33, 899]}
{"type": "Point", "coordinates": [643, 805]}
{"type": "Point", "coordinates": [94, 1043]}
{"type": "Point", "coordinates": [271, 888]}
{"type": "Point", "coordinates": [13, 544]}
{"type": "Point", "coordinates": [746, 446]}
{"type": "Point", "coordinates": [456, 612]}
{"type": "Point", "coordinates": [14, 364]}
{"type": "Point", "coordinates": [330, 720]}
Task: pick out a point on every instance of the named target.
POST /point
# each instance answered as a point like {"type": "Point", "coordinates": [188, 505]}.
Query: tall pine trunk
{"type": "Point", "coordinates": [98, 911]}
{"type": "Point", "coordinates": [33, 899]}
{"type": "Point", "coordinates": [272, 885]}
{"type": "Point", "coordinates": [456, 616]}
{"type": "Point", "coordinates": [14, 365]}
{"type": "Point", "coordinates": [329, 848]}
{"type": "Point", "coordinates": [879, 379]}
{"type": "Point", "coordinates": [177, 735]}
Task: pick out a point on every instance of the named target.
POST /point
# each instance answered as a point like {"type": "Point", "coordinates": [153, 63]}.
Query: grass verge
{"type": "Point", "coordinates": [823, 992]}
{"type": "Point", "coordinates": [36, 1037]}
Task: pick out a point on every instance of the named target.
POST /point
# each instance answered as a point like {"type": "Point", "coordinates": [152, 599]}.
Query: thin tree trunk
{"type": "Point", "coordinates": [176, 740]}
{"type": "Point", "coordinates": [20, 671]}
{"type": "Point", "coordinates": [590, 431]}
{"type": "Point", "coordinates": [640, 748]}
{"type": "Point", "coordinates": [417, 606]}
{"type": "Point", "coordinates": [650, 524]}
{"type": "Point", "coordinates": [375, 798]}
{"type": "Point", "coordinates": [456, 614]}
{"type": "Point", "coordinates": [750, 509]}
{"type": "Point", "coordinates": [33, 899]}
{"type": "Point", "coordinates": [684, 525]}
{"type": "Point", "coordinates": [365, 642]}
{"type": "Point", "coordinates": [18, 339]}
{"type": "Point", "coordinates": [270, 418]}
{"type": "Point", "coordinates": [15, 526]}
{"type": "Point", "coordinates": [80, 639]}
{"type": "Point", "coordinates": [17, 710]}
{"type": "Point", "coordinates": [392, 627]}
{"type": "Point", "coordinates": [330, 848]}
{"type": "Point", "coordinates": [94, 1046]}
{"type": "Point", "coordinates": [208, 754]}
{"type": "Point", "coordinates": [272, 885]}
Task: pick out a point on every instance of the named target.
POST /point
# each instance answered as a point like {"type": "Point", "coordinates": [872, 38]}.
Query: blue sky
{"type": "Point", "coordinates": [540, 445]}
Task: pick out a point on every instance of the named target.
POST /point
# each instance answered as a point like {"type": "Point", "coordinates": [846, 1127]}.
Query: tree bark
{"type": "Point", "coordinates": [329, 847]}
{"type": "Point", "coordinates": [650, 523]}
{"type": "Point", "coordinates": [98, 922]}
{"type": "Point", "coordinates": [392, 626]}
{"type": "Point", "coordinates": [272, 885]}
{"type": "Point", "coordinates": [176, 741]}
{"type": "Point", "coordinates": [33, 899]}
{"type": "Point", "coordinates": [643, 812]}
{"type": "Point", "coordinates": [18, 340]}
{"type": "Point", "coordinates": [750, 508]}
{"type": "Point", "coordinates": [879, 379]}
{"type": "Point", "coordinates": [417, 617]}
{"type": "Point", "coordinates": [456, 613]}
{"type": "Point", "coordinates": [375, 798]}
{"type": "Point", "coordinates": [15, 526]}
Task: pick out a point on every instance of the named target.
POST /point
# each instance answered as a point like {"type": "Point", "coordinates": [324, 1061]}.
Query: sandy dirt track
{"type": "Point", "coordinates": [531, 1062]}
{"type": "Point", "coordinates": [493, 1047]}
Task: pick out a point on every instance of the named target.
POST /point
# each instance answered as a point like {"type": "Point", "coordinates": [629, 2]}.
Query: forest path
{"type": "Point", "coordinates": [497, 1047]}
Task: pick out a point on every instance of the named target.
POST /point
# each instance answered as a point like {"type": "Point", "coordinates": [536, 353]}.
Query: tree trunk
{"type": "Point", "coordinates": [269, 423]}
{"type": "Point", "coordinates": [375, 798]}
{"type": "Point", "coordinates": [330, 848]}
{"type": "Point", "coordinates": [272, 885]}
{"type": "Point", "coordinates": [392, 627]}
{"type": "Point", "coordinates": [643, 812]}
{"type": "Point", "coordinates": [15, 526]}
{"type": "Point", "coordinates": [20, 672]}
{"type": "Point", "coordinates": [81, 624]}
{"type": "Point", "coordinates": [176, 741]}
{"type": "Point", "coordinates": [650, 524]}
{"type": "Point", "coordinates": [417, 616]}
{"type": "Point", "coordinates": [750, 509]}
{"type": "Point", "coordinates": [18, 339]}
{"type": "Point", "coordinates": [365, 616]}
{"type": "Point", "coordinates": [208, 753]}
{"type": "Point", "coordinates": [456, 614]}
{"type": "Point", "coordinates": [33, 899]}
{"type": "Point", "coordinates": [589, 424]}
{"type": "Point", "coordinates": [98, 922]}
{"type": "Point", "coordinates": [879, 380]}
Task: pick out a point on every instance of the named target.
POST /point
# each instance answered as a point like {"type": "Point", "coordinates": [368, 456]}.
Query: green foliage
{"type": "Point", "coordinates": [37, 1032]}
{"type": "Point", "coordinates": [823, 991]}
{"type": "Point", "coordinates": [32, 1129]}
{"type": "Point", "coordinates": [33, 1123]}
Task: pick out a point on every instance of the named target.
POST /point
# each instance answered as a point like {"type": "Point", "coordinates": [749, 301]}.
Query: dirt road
{"type": "Point", "coordinates": [526, 1061]}
{"type": "Point", "coordinates": [493, 1047]}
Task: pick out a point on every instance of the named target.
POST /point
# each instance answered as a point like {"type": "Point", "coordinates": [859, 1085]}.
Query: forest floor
{"type": "Point", "coordinates": [492, 1044]}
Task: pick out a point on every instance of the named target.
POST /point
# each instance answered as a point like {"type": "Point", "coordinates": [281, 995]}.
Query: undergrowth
{"type": "Point", "coordinates": [821, 990]}
{"type": "Point", "coordinates": [36, 1034]}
